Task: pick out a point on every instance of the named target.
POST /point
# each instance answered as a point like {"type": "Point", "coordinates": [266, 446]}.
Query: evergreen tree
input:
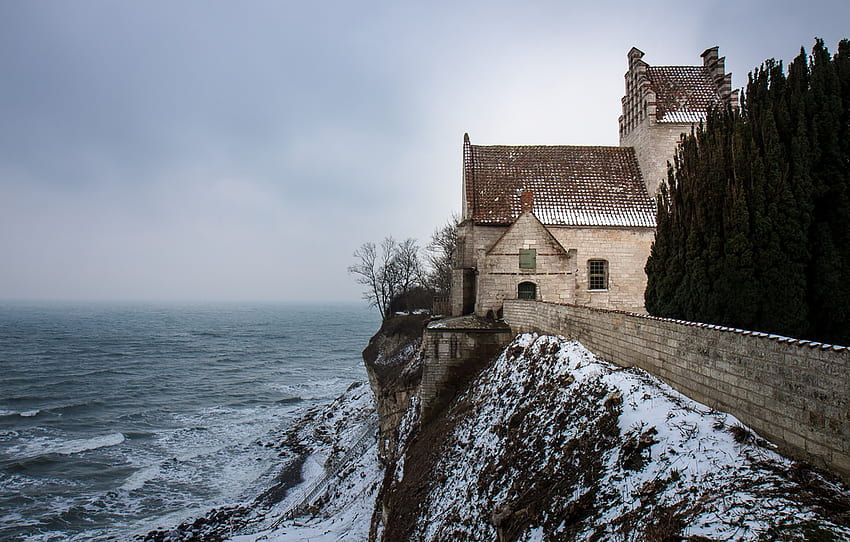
{"type": "Point", "coordinates": [754, 226]}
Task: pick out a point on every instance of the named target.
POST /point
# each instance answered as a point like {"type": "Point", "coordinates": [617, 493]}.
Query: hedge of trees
{"type": "Point", "coordinates": [754, 227]}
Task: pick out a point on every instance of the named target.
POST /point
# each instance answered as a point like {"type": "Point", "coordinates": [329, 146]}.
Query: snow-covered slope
{"type": "Point", "coordinates": [552, 443]}
{"type": "Point", "coordinates": [341, 477]}
{"type": "Point", "coordinates": [324, 488]}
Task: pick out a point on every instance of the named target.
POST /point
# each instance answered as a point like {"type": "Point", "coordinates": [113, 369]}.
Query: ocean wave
{"type": "Point", "coordinates": [25, 413]}
{"type": "Point", "coordinates": [42, 447]}
{"type": "Point", "coordinates": [138, 479]}
{"type": "Point", "coordinates": [323, 389]}
{"type": "Point", "coordinates": [139, 435]}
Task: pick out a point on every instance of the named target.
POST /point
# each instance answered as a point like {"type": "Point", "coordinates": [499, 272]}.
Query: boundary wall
{"type": "Point", "coordinates": [795, 393]}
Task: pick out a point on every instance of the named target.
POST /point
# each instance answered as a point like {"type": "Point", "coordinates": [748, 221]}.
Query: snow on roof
{"type": "Point", "coordinates": [571, 185]}
{"type": "Point", "coordinates": [683, 117]}
{"type": "Point", "coordinates": [682, 93]}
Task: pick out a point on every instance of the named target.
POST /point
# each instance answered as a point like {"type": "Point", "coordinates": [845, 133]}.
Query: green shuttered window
{"type": "Point", "coordinates": [527, 258]}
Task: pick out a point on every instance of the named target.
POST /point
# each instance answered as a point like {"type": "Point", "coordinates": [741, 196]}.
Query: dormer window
{"type": "Point", "coordinates": [528, 258]}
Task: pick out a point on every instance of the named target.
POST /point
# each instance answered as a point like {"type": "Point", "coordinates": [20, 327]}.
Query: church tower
{"type": "Point", "coordinates": [663, 102]}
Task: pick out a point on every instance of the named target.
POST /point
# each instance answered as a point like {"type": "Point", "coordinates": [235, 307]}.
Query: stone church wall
{"type": "Point", "coordinates": [500, 273]}
{"type": "Point", "coordinates": [792, 392]}
{"type": "Point", "coordinates": [625, 250]}
{"type": "Point", "coordinates": [654, 144]}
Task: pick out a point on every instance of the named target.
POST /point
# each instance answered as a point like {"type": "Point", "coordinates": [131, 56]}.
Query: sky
{"type": "Point", "coordinates": [241, 151]}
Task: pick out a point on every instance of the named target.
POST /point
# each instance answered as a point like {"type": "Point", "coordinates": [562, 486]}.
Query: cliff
{"type": "Point", "coordinates": [547, 442]}
{"type": "Point", "coordinates": [551, 443]}
{"type": "Point", "coordinates": [394, 366]}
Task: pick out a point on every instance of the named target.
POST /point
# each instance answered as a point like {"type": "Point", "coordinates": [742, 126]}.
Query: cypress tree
{"type": "Point", "coordinates": [754, 231]}
{"type": "Point", "coordinates": [829, 290]}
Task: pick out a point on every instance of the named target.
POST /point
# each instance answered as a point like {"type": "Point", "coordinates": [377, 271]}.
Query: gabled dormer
{"type": "Point", "coordinates": [527, 261]}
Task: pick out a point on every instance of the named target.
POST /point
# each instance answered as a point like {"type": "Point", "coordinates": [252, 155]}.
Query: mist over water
{"type": "Point", "coordinates": [117, 419]}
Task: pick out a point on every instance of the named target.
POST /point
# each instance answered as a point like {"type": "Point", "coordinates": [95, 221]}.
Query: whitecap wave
{"type": "Point", "coordinates": [138, 478]}
{"type": "Point", "coordinates": [84, 445]}
{"type": "Point", "coordinates": [40, 447]}
{"type": "Point", "coordinates": [25, 413]}
{"type": "Point", "coordinates": [315, 390]}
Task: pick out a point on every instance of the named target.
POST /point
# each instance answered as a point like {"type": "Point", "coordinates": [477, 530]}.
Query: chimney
{"type": "Point", "coordinates": [526, 201]}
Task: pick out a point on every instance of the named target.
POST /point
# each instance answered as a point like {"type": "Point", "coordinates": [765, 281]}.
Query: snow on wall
{"type": "Point", "coordinates": [796, 393]}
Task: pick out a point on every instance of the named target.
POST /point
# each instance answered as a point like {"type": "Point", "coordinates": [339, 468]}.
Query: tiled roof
{"type": "Point", "coordinates": [574, 186]}
{"type": "Point", "coordinates": [682, 93]}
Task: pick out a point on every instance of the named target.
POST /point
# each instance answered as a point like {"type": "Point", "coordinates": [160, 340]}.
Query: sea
{"type": "Point", "coordinates": [116, 419]}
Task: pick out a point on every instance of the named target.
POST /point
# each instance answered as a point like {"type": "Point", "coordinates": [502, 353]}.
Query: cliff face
{"type": "Point", "coordinates": [550, 443]}
{"type": "Point", "coordinates": [394, 366]}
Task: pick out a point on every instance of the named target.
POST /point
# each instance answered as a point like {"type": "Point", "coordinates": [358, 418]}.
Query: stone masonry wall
{"type": "Point", "coordinates": [795, 393]}
{"type": "Point", "coordinates": [654, 144]}
{"type": "Point", "coordinates": [500, 274]}
{"type": "Point", "coordinates": [626, 251]}
{"type": "Point", "coordinates": [450, 358]}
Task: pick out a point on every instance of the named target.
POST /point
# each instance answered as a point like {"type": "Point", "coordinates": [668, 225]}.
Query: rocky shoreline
{"type": "Point", "coordinates": [321, 434]}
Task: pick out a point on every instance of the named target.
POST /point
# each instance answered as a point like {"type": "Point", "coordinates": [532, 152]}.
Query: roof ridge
{"type": "Point", "coordinates": [678, 66]}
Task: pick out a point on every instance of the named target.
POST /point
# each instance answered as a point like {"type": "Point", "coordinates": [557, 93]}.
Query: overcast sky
{"type": "Point", "coordinates": [204, 150]}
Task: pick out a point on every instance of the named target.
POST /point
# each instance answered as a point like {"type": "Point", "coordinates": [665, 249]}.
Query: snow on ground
{"type": "Point", "coordinates": [324, 488]}
{"type": "Point", "coordinates": [341, 478]}
{"type": "Point", "coordinates": [552, 443]}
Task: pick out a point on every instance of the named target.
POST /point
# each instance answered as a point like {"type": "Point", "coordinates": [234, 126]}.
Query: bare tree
{"type": "Point", "coordinates": [407, 265]}
{"type": "Point", "coordinates": [387, 272]}
{"type": "Point", "coordinates": [441, 251]}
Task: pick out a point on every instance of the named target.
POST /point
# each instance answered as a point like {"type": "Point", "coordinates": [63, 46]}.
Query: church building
{"type": "Point", "coordinates": [574, 224]}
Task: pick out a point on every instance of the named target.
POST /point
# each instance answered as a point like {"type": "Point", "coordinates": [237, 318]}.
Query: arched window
{"type": "Point", "coordinates": [597, 274]}
{"type": "Point", "coordinates": [527, 290]}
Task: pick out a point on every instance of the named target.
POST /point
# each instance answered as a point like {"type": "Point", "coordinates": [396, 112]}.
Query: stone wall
{"type": "Point", "coordinates": [625, 250]}
{"type": "Point", "coordinates": [795, 393]}
{"type": "Point", "coordinates": [455, 350]}
{"type": "Point", "coordinates": [654, 144]}
{"type": "Point", "coordinates": [499, 275]}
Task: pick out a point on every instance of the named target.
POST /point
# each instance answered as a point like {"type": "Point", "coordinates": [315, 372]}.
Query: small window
{"type": "Point", "coordinates": [527, 258]}
{"type": "Point", "coordinates": [527, 290]}
{"type": "Point", "coordinates": [597, 274]}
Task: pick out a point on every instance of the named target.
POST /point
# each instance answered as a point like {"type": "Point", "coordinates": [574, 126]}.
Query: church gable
{"type": "Point", "coordinates": [527, 233]}
{"type": "Point", "coordinates": [526, 262]}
